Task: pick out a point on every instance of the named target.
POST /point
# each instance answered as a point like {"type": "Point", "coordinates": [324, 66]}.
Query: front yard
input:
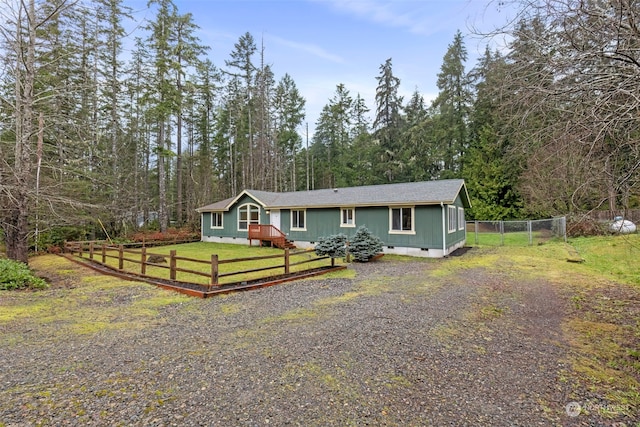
{"type": "Point", "coordinates": [499, 336]}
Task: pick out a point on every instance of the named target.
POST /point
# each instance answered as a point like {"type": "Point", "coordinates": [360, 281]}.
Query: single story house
{"type": "Point", "coordinates": [415, 218]}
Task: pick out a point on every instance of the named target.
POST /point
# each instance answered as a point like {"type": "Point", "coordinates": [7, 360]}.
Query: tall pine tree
{"type": "Point", "coordinates": [451, 109]}
{"type": "Point", "coordinates": [388, 123]}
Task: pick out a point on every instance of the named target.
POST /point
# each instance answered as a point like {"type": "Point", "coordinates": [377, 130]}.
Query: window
{"type": "Point", "coordinates": [347, 217]}
{"type": "Point", "coordinates": [452, 219]}
{"type": "Point", "coordinates": [298, 219]}
{"type": "Point", "coordinates": [401, 220]}
{"type": "Point", "coordinates": [248, 214]}
{"type": "Point", "coordinates": [461, 221]}
{"type": "Point", "coordinates": [216, 219]}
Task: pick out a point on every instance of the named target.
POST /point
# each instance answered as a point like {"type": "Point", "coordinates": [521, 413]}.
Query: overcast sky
{"type": "Point", "coordinates": [321, 43]}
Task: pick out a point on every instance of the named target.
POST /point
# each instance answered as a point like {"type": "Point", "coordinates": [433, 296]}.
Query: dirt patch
{"type": "Point", "coordinates": [461, 251]}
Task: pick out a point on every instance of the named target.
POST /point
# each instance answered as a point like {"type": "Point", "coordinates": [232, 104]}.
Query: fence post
{"type": "Point", "coordinates": [91, 250]}
{"type": "Point", "coordinates": [120, 257]}
{"type": "Point", "coordinates": [214, 270]}
{"type": "Point", "coordinates": [143, 260]}
{"type": "Point", "coordinates": [476, 231]}
{"type": "Point", "coordinates": [104, 253]}
{"type": "Point", "coordinates": [501, 233]}
{"type": "Point", "coordinates": [530, 233]}
{"type": "Point", "coordinates": [286, 261]}
{"type": "Point", "coordinates": [172, 265]}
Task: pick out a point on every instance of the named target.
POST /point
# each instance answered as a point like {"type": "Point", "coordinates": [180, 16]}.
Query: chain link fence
{"type": "Point", "coordinates": [516, 233]}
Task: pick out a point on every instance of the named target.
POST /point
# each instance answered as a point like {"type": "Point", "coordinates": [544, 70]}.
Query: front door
{"type": "Point", "coordinates": [274, 218]}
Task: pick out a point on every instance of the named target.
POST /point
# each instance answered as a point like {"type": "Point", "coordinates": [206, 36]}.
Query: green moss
{"type": "Point", "coordinates": [492, 312]}
{"type": "Point", "coordinates": [93, 304]}
{"type": "Point", "coordinates": [27, 310]}
{"type": "Point", "coordinates": [398, 381]}
{"type": "Point", "coordinates": [231, 308]}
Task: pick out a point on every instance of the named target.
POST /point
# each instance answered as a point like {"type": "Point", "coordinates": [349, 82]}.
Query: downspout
{"type": "Point", "coordinates": [201, 226]}
{"type": "Point", "coordinates": [444, 232]}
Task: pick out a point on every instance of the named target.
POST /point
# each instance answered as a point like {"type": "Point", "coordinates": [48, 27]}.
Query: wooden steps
{"type": "Point", "coordinates": [270, 235]}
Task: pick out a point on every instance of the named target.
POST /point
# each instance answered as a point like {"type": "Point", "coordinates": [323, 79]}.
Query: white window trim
{"type": "Point", "coordinates": [248, 206]}
{"type": "Point", "coordinates": [413, 220]}
{"type": "Point", "coordinates": [461, 221]}
{"type": "Point", "coordinates": [304, 212]}
{"type": "Point", "coordinates": [353, 222]}
{"type": "Point", "coordinates": [216, 227]}
{"type": "Point", "coordinates": [452, 225]}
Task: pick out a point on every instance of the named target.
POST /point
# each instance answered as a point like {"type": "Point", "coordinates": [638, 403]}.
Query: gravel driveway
{"type": "Point", "coordinates": [396, 345]}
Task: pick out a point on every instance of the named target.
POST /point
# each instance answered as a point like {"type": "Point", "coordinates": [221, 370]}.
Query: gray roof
{"type": "Point", "coordinates": [408, 193]}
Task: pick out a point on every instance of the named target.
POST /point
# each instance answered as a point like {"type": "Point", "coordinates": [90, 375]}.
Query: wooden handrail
{"type": "Point", "coordinates": [260, 231]}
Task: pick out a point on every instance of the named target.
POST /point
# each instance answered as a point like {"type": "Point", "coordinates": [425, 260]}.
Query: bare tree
{"type": "Point", "coordinates": [19, 27]}
{"type": "Point", "coordinates": [572, 91]}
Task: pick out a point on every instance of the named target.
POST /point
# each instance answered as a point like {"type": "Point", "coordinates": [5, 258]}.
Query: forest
{"type": "Point", "coordinates": [95, 142]}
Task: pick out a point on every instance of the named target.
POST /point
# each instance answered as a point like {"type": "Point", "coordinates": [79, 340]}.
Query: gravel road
{"type": "Point", "coordinates": [394, 346]}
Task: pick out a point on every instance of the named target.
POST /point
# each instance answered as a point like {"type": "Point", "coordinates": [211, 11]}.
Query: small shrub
{"type": "Point", "coordinates": [364, 245]}
{"type": "Point", "coordinates": [334, 246]}
{"type": "Point", "coordinates": [56, 236]}
{"type": "Point", "coordinates": [585, 227]}
{"type": "Point", "coordinates": [16, 275]}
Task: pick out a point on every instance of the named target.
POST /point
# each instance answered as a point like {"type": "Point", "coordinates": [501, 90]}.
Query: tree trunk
{"type": "Point", "coordinates": [179, 194]}
{"type": "Point", "coordinates": [163, 216]}
{"type": "Point", "coordinates": [16, 222]}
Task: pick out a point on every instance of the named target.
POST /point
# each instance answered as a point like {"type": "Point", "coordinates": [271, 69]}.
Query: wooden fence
{"type": "Point", "coordinates": [101, 252]}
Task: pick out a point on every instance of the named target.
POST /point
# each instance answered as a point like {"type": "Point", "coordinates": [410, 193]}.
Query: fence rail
{"type": "Point", "coordinates": [517, 233]}
{"type": "Point", "coordinates": [108, 255]}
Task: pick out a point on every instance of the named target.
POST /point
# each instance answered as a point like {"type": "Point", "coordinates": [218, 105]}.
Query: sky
{"type": "Point", "coordinates": [322, 43]}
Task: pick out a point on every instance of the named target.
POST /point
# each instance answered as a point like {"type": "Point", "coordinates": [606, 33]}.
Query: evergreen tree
{"type": "Point", "coordinates": [451, 109]}
{"type": "Point", "coordinates": [490, 168]}
{"type": "Point", "coordinates": [138, 127]}
{"type": "Point", "coordinates": [387, 124]}
{"type": "Point", "coordinates": [363, 245]}
{"type": "Point", "coordinates": [186, 50]}
{"type": "Point", "coordinates": [242, 70]}
{"type": "Point", "coordinates": [362, 156]}
{"type": "Point", "coordinates": [266, 170]}
{"type": "Point", "coordinates": [418, 147]}
{"type": "Point", "coordinates": [108, 111]}
{"type": "Point", "coordinates": [288, 106]}
{"type": "Point", "coordinates": [205, 157]}
{"type": "Point", "coordinates": [334, 246]}
{"type": "Point", "coordinates": [163, 97]}
{"type": "Point", "coordinates": [331, 140]}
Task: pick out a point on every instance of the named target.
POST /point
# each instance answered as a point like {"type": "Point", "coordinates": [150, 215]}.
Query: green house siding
{"type": "Point", "coordinates": [230, 220]}
{"type": "Point", "coordinates": [460, 234]}
{"type": "Point", "coordinates": [325, 222]}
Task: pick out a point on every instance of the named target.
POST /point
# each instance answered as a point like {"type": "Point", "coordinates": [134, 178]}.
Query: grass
{"type": "Point", "coordinates": [77, 308]}
{"type": "Point", "coordinates": [511, 238]}
{"type": "Point", "coordinates": [614, 257]}
{"type": "Point", "coordinates": [203, 250]}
